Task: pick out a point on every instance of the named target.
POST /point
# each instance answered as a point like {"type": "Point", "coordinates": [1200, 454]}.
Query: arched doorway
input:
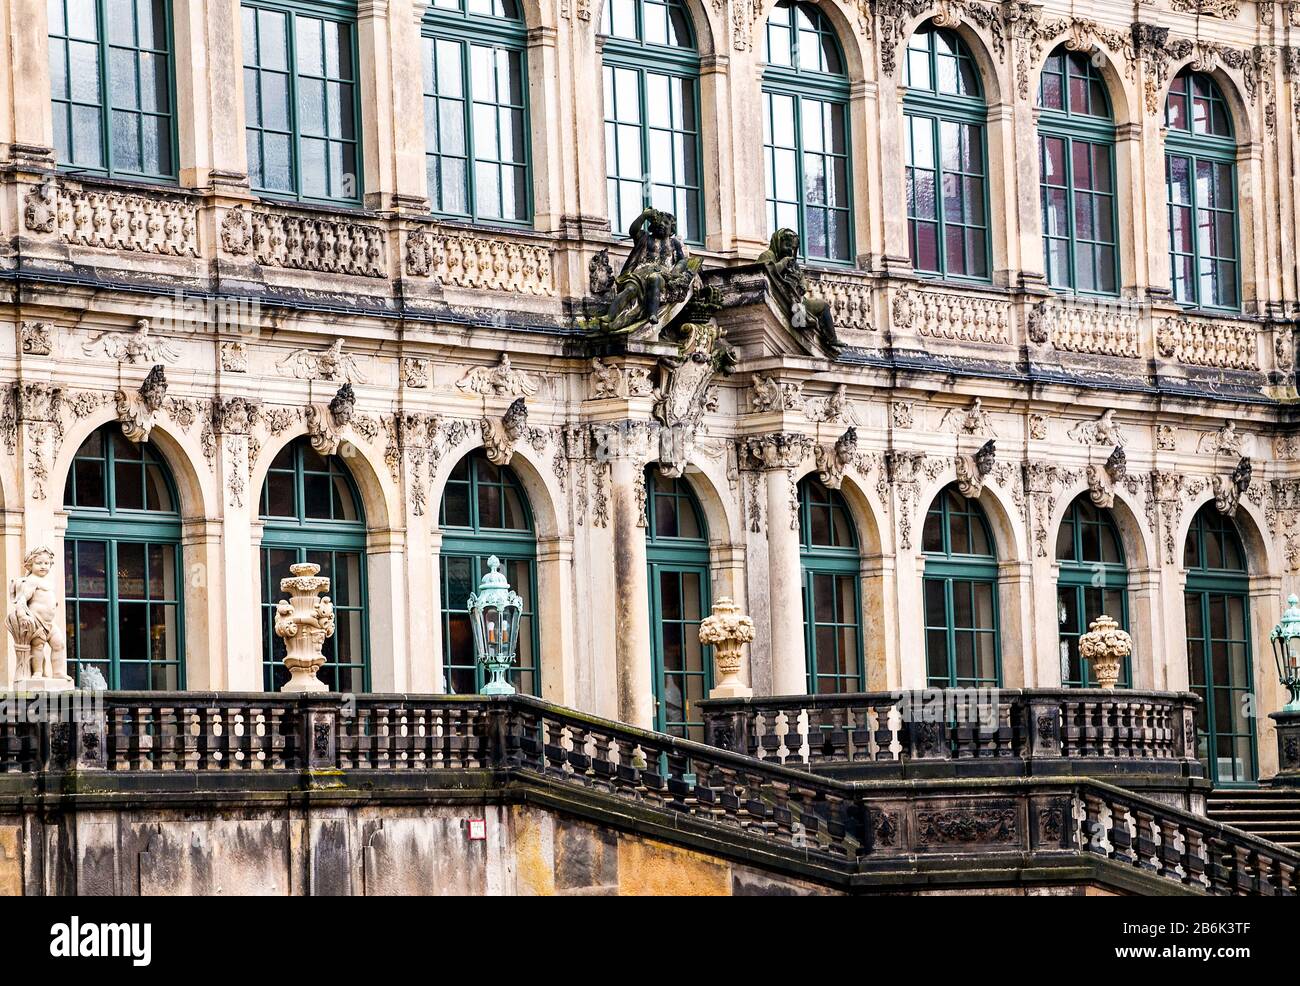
{"type": "Point", "coordinates": [1219, 668]}
{"type": "Point", "coordinates": [311, 512]}
{"type": "Point", "coordinates": [832, 606]}
{"type": "Point", "coordinates": [122, 558]}
{"type": "Point", "coordinates": [677, 552]}
{"type": "Point", "coordinates": [485, 512]}
{"type": "Point", "coordinates": [1093, 579]}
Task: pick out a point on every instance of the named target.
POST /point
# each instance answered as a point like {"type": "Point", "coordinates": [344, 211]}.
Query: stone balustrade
{"type": "Point", "coordinates": [148, 744]}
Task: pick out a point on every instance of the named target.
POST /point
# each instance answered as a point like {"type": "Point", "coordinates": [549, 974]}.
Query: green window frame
{"type": "Point", "coordinates": [302, 102]}
{"type": "Point", "coordinates": [807, 153]}
{"type": "Point", "coordinates": [484, 512]}
{"type": "Point", "coordinates": [122, 565]}
{"type": "Point", "coordinates": [832, 590]}
{"type": "Point", "coordinates": [1201, 192]}
{"type": "Point", "coordinates": [311, 511]}
{"type": "Point", "coordinates": [113, 88]}
{"type": "Point", "coordinates": [1220, 667]}
{"type": "Point", "coordinates": [947, 158]}
{"type": "Point", "coordinates": [1076, 158]}
{"type": "Point", "coordinates": [651, 78]}
{"type": "Point", "coordinates": [677, 555]}
{"type": "Point", "coordinates": [1092, 579]}
{"type": "Point", "coordinates": [963, 645]}
{"type": "Point", "coordinates": [476, 130]}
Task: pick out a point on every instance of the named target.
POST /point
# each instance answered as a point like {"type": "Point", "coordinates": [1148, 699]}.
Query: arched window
{"type": "Point", "coordinates": [485, 512]}
{"type": "Point", "coordinates": [1093, 580]}
{"type": "Point", "coordinates": [122, 563]}
{"type": "Point", "coordinates": [947, 160]}
{"type": "Point", "coordinates": [652, 113]}
{"type": "Point", "coordinates": [111, 86]}
{"type": "Point", "coordinates": [832, 609]}
{"type": "Point", "coordinates": [1076, 160]}
{"type": "Point", "coordinates": [962, 646]}
{"type": "Point", "coordinates": [806, 132]}
{"type": "Point", "coordinates": [476, 110]}
{"type": "Point", "coordinates": [1201, 175]}
{"type": "Point", "coordinates": [677, 550]}
{"type": "Point", "coordinates": [1218, 646]}
{"type": "Point", "coordinates": [311, 512]}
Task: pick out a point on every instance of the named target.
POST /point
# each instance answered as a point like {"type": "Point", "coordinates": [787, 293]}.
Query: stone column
{"type": "Point", "coordinates": [631, 599]}
{"type": "Point", "coordinates": [209, 94]}
{"type": "Point", "coordinates": [25, 81]}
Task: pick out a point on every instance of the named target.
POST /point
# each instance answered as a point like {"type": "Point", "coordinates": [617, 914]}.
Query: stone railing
{"type": "Point", "coordinates": [849, 297]}
{"type": "Point", "coordinates": [1220, 343]}
{"type": "Point", "coordinates": [958, 316]}
{"type": "Point", "coordinates": [1101, 330]}
{"type": "Point", "coordinates": [893, 732]}
{"type": "Point", "coordinates": [142, 742]}
{"type": "Point", "coordinates": [107, 218]}
{"type": "Point", "coordinates": [304, 241]}
{"type": "Point", "coordinates": [481, 261]}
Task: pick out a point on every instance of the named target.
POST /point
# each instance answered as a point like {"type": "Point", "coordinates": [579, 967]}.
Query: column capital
{"type": "Point", "coordinates": [775, 450]}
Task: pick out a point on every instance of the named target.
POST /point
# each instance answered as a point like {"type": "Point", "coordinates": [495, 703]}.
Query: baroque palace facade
{"type": "Point", "coordinates": [346, 283]}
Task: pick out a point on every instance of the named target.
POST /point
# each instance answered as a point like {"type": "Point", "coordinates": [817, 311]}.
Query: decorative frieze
{"type": "Point", "coordinates": [478, 262]}
{"type": "Point", "coordinates": [330, 363]}
{"type": "Point", "coordinates": [501, 380]}
{"type": "Point", "coordinates": [849, 300]}
{"type": "Point", "coordinates": [962, 317]}
{"type": "Point", "coordinates": [1103, 431]}
{"type": "Point", "coordinates": [107, 219]}
{"type": "Point", "coordinates": [1095, 331]}
{"type": "Point", "coordinates": [36, 338]}
{"type": "Point", "coordinates": [610, 380]}
{"type": "Point", "coordinates": [971, 420]}
{"type": "Point", "coordinates": [415, 372]}
{"type": "Point", "coordinates": [331, 246]}
{"type": "Point", "coordinates": [132, 347]}
{"type": "Point", "coordinates": [770, 394]}
{"type": "Point", "coordinates": [1225, 345]}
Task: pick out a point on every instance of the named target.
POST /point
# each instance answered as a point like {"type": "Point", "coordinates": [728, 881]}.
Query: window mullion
{"type": "Point", "coordinates": [105, 113]}
{"type": "Point", "coordinates": [467, 77]}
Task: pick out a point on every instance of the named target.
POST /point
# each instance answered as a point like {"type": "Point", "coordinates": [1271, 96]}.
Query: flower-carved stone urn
{"type": "Point", "coordinates": [728, 630]}
{"type": "Point", "coordinates": [305, 621]}
{"type": "Point", "coordinates": [1105, 645]}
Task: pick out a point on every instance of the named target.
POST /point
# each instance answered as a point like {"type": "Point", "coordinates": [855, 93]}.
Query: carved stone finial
{"type": "Point", "coordinates": [728, 630]}
{"type": "Point", "coordinates": [304, 622]}
{"type": "Point", "coordinates": [1105, 645]}
{"type": "Point", "coordinates": [35, 622]}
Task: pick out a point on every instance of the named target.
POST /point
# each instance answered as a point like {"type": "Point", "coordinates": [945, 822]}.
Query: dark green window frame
{"type": "Point", "coordinates": [1074, 114]}
{"type": "Point", "coordinates": [1088, 584]}
{"type": "Point", "coordinates": [1199, 141]}
{"type": "Point", "coordinates": [832, 590]}
{"type": "Point", "coordinates": [960, 567]}
{"type": "Point", "coordinates": [457, 107]}
{"type": "Point", "coordinates": [470, 540]}
{"type": "Point", "coordinates": [110, 106]}
{"type": "Point", "coordinates": [103, 538]}
{"type": "Point", "coordinates": [1218, 586]}
{"type": "Point", "coordinates": [933, 113]}
{"type": "Point", "coordinates": [344, 133]}
{"type": "Point", "coordinates": [677, 555]}
{"type": "Point", "coordinates": [641, 62]}
{"type": "Point", "coordinates": [330, 542]}
{"type": "Point", "coordinates": [791, 78]}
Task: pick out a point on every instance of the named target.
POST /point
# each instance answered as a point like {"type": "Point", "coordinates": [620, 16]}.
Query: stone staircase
{"type": "Point", "coordinates": [1269, 813]}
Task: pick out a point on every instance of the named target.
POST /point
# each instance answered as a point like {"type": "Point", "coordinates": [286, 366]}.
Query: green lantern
{"type": "Point", "coordinates": [1286, 651]}
{"type": "Point", "coordinates": [494, 613]}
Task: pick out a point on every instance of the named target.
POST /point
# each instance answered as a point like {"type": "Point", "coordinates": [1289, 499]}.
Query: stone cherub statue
{"type": "Point", "coordinates": [35, 621]}
{"type": "Point", "coordinates": [781, 260]}
{"type": "Point", "coordinates": [657, 280]}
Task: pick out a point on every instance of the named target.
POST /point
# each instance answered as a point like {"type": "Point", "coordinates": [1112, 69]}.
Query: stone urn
{"type": "Point", "coordinates": [1105, 646]}
{"type": "Point", "coordinates": [728, 630]}
{"type": "Point", "coordinates": [304, 621]}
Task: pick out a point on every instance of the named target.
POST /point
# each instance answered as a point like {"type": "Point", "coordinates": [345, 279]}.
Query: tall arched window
{"type": "Point", "coordinates": [806, 132]}
{"type": "Point", "coordinates": [962, 646]}
{"type": "Point", "coordinates": [476, 110]}
{"type": "Point", "coordinates": [947, 160]}
{"type": "Point", "coordinates": [122, 563]}
{"type": "Point", "coordinates": [485, 512]}
{"type": "Point", "coordinates": [652, 113]}
{"type": "Point", "coordinates": [832, 609]}
{"type": "Point", "coordinates": [311, 512]}
{"type": "Point", "coordinates": [1076, 159]}
{"type": "Point", "coordinates": [677, 550]}
{"type": "Point", "coordinates": [1201, 175]}
{"type": "Point", "coordinates": [1093, 580]}
{"type": "Point", "coordinates": [1218, 646]}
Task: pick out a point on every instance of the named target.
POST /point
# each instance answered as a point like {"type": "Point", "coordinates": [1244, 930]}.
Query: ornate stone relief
{"type": "Point", "coordinates": [600, 274]}
{"type": "Point", "coordinates": [1104, 477]}
{"type": "Point", "coordinates": [481, 262]}
{"type": "Point", "coordinates": [847, 298]}
{"type": "Point", "coordinates": [972, 469]}
{"type": "Point", "coordinates": [234, 357]}
{"type": "Point", "coordinates": [1222, 345]}
{"type": "Point", "coordinates": [330, 363]}
{"type": "Point", "coordinates": [834, 408]}
{"type": "Point", "coordinates": [775, 450]}
{"type": "Point", "coordinates": [110, 220]}
{"type": "Point", "coordinates": [1166, 438]}
{"type": "Point", "coordinates": [1223, 9]}
{"type": "Point", "coordinates": [137, 411]}
{"type": "Point", "coordinates": [500, 435]}
{"type": "Point", "coordinates": [833, 460]}
{"type": "Point", "coordinates": [974, 420]}
{"type": "Point", "coordinates": [901, 412]}
{"type": "Point", "coordinates": [131, 347]}
{"type": "Point", "coordinates": [1170, 492]}
{"type": "Point", "coordinates": [1044, 483]}
{"type": "Point", "coordinates": [325, 422]}
{"type": "Point", "coordinates": [1228, 489]}
{"type": "Point", "coordinates": [770, 394]}
{"type": "Point", "coordinates": [419, 254]}
{"type": "Point", "coordinates": [502, 380]}
{"type": "Point", "coordinates": [1104, 431]}
{"type": "Point", "coordinates": [903, 472]}
{"type": "Point", "coordinates": [1038, 427]}
{"type": "Point", "coordinates": [1224, 441]}
{"type": "Point", "coordinates": [1282, 513]}
{"type": "Point", "coordinates": [236, 231]}
{"type": "Point", "coordinates": [686, 391]}
{"type": "Point", "coordinates": [1095, 331]}
{"type": "Point", "coordinates": [944, 315]}
{"type": "Point", "coordinates": [34, 411]}
{"type": "Point", "coordinates": [36, 338]}
{"type": "Point", "coordinates": [415, 372]}
{"type": "Point", "coordinates": [331, 246]}
{"type": "Point", "coordinates": [1079, 34]}
{"type": "Point", "coordinates": [610, 380]}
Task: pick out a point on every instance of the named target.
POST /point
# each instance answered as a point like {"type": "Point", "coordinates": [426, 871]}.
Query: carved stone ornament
{"type": "Point", "coordinates": [789, 286]}
{"type": "Point", "coordinates": [609, 380]}
{"type": "Point", "coordinates": [770, 394]}
{"type": "Point", "coordinates": [236, 232]}
{"type": "Point", "coordinates": [415, 372]}
{"type": "Point", "coordinates": [903, 414]}
{"type": "Point", "coordinates": [728, 631]}
{"type": "Point", "coordinates": [1102, 479]}
{"type": "Point", "coordinates": [234, 357]}
{"type": "Point", "coordinates": [131, 347]}
{"type": "Point", "coordinates": [36, 338]}
{"type": "Point", "coordinates": [658, 279]}
{"type": "Point", "coordinates": [832, 461]}
{"type": "Point", "coordinates": [834, 408]}
{"type": "Point", "coordinates": [138, 411]}
{"type": "Point", "coordinates": [1104, 431]}
{"type": "Point", "coordinates": [304, 622]}
{"type": "Point", "coordinates": [500, 436]}
{"type": "Point", "coordinates": [600, 275]}
{"type": "Point", "coordinates": [1038, 324]}
{"type": "Point", "coordinates": [36, 623]}
{"type": "Point", "coordinates": [330, 363]}
{"type": "Point", "coordinates": [685, 393]}
{"type": "Point", "coordinates": [1228, 489]}
{"type": "Point", "coordinates": [1105, 646]}
{"type": "Point", "coordinates": [974, 420]}
{"type": "Point", "coordinates": [973, 469]}
{"type": "Point", "coordinates": [1225, 441]}
{"type": "Point", "coordinates": [1038, 427]}
{"type": "Point", "coordinates": [502, 380]}
{"type": "Point", "coordinates": [325, 422]}
{"type": "Point", "coordinates": [778, 450]}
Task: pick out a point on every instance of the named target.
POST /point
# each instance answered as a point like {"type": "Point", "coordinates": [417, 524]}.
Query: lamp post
{"type": "Point", "coordinates": [1285, 639]}
{"type": "Point", "coordinates": [494, 614]}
